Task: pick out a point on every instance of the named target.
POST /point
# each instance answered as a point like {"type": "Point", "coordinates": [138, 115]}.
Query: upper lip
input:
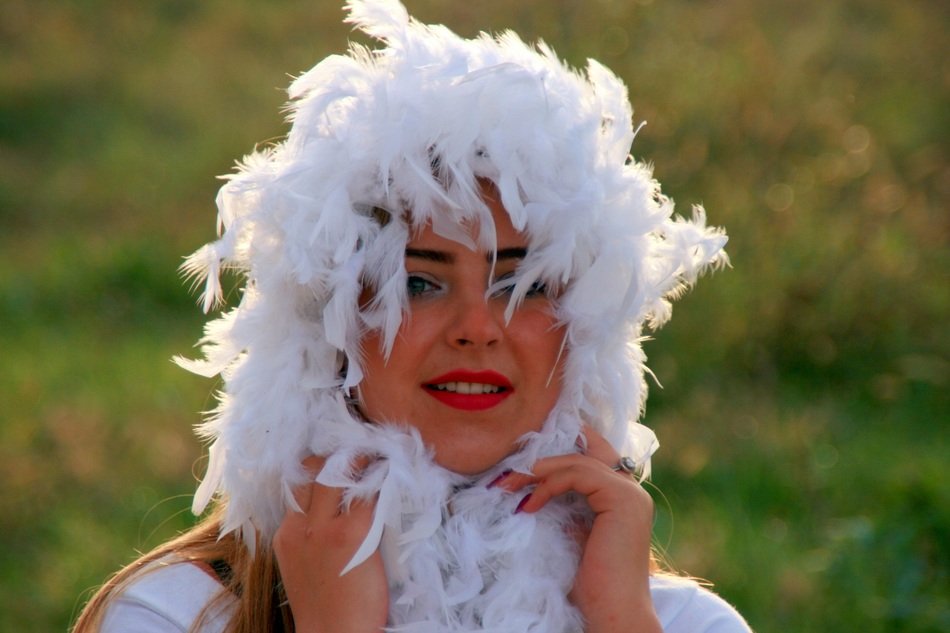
{"type": "Point", "coordinates": [482, 376]}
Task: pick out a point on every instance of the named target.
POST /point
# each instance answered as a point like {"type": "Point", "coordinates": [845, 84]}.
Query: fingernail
{"type": "Point", "coordinates": [581, 444]}
{"type": "Point", "coordinates": [497, 480]}
{"type": "Point", "coordinates": [522, 503]}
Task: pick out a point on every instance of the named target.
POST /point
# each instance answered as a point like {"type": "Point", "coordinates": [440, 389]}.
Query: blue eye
{"type": "Point", "coordinates": [506, 283]}
{"type": "Point", "coordinates": [417, 286]}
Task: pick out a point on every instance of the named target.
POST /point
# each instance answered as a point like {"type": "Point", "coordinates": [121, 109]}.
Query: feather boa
{"type": "Point", "coordinates": [457, 557]}
{"type": "Point", "coordinates": [414, 126]}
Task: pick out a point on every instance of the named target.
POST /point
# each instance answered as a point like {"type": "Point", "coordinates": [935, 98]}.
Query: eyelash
{"type": "Point", "coordinates": [537, 289]}
{"type": "Point", "coordinates": [417, 285]}
{"type": "Point", "coordinates": [418, 280]}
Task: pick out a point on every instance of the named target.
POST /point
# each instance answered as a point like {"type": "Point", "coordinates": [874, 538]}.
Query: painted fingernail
{"type": "Point", "coordinates": [581, 444]}
{"type": "Point", "coordinates": [522, 503]}
{"type": "Point", "coordinates": [497, 480]}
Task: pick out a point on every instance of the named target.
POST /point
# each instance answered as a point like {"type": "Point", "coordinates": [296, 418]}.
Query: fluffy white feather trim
{"type": "Point", "coordinates": [414, 126]}
{"type": "Point", "coordinates": [457, 557]}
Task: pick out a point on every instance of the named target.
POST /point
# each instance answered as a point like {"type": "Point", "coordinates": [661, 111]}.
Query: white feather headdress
{"type": "Point", "coordinates": [414, 126]}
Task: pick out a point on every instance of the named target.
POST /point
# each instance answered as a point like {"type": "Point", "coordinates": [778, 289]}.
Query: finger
{"type": "Point", "coordinates": [303, 493]}
{"type": "Point", "coordinates": [548, 465]}
{"type": "Point", "coordinates": [359, 513]}
{"type": "Point", "coordinates": [620, 497]}
{"type": "Point", "coordinates": [590, 477]}
{"type": "Point", "coordinates": [568, 477]}
{"type": "Point", "coordinates": [329, 500]}
{"type": "Point", "coordinates": [358, 509]}
{"type": "Point", "coordinates": [512, 481]}
{"type": "Point", "coordinates": [325, 502]}
{"type": "Point", "coordinates": [598, 447]}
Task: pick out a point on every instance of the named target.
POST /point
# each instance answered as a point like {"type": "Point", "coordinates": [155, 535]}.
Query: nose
{"type": "Point", "coordinates": [477, 322]}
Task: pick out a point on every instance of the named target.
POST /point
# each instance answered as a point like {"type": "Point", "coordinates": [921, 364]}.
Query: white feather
{"type": "Point", "coordinates": [412, 128]}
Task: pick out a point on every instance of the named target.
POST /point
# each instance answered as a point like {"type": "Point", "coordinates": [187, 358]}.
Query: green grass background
{"type": "Point", "coordinates": [804, 411]}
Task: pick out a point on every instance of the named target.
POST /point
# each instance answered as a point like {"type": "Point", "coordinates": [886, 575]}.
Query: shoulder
{"type": "Point", "coordinates": [167, 596]}
{"type": "Point", "coordinates": [683, 606]}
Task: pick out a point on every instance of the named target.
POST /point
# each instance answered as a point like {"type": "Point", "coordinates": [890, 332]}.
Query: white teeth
{"type": "Point", "coordinates": [468, 387]}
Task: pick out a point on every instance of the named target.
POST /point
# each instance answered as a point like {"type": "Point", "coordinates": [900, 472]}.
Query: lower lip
{"type": "Point", "coordinates": [469, 401]}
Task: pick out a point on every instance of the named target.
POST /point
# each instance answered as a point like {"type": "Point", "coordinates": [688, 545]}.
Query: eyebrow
{"type": "Point", "coordinates": [442, 257]}
{"type": "Point", "coordinates": [510, 253]}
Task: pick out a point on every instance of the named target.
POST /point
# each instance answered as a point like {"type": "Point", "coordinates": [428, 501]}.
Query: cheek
{"type": "Point", "coordinates": [388, 383]}
{"type": "Point", "coordinates": [376, 384]}
{"type": "Point", "coordinates": [539, 330]}
{"type": "Point", "coordinates": [542, 344]}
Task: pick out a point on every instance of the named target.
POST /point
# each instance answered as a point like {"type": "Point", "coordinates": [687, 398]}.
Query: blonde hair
{"type": "Point", "coordinates": [253, 582]}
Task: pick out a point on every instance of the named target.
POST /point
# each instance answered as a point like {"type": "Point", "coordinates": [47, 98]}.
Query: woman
{"type": "Point", "coordinates": [432, 377]}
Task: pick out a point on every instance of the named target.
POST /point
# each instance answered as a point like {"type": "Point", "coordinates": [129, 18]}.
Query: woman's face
{"type": "Point", "coordinates": [469, 383]}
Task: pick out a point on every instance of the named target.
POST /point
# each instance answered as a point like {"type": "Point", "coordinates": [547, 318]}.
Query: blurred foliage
{"type": "Point", "coordinates": [804, 409]}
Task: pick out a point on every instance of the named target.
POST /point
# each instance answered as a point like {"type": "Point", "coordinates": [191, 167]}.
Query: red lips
{"type": "Point", "coordinates": [438, 388]}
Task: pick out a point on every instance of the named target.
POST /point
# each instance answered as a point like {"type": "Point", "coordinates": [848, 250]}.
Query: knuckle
{"type": "Point", "coordinates": [642, 499]}
{"type": "Point", "coordinates": [646, 499]}
{"type": "Point", "coordinates": [282, 541]}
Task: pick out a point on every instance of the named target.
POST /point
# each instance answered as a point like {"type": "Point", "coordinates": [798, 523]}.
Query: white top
{"type": "Point", "coordinates": [170, 597]}
{"type": "Point", "coordinates": [166, 598]}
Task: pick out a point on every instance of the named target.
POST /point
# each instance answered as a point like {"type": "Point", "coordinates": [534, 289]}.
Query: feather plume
{"type": "Point", "coordinates": [381, 143]}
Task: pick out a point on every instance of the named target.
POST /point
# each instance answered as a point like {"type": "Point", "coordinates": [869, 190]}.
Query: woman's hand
{"type": "Point", "coordinates": [312, 548]}
{"type": "Point", "coordinates": [612, 586]}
